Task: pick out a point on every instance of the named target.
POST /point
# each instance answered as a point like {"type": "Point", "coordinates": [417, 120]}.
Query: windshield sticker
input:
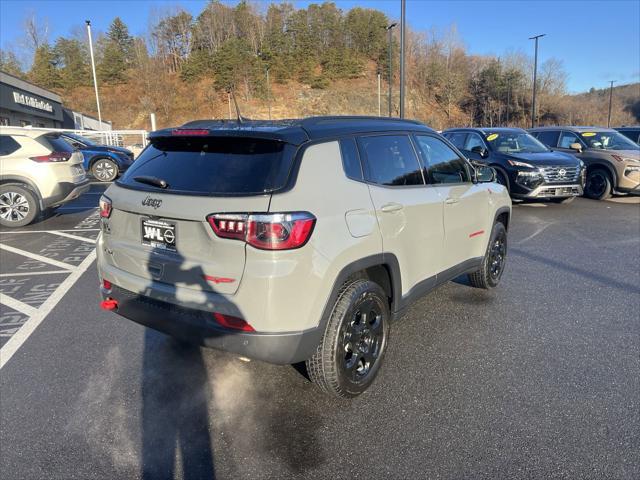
{"type": "Point", "coordinates": [492, 137]}
{"type": "Point", "coordinates": [589, 134]}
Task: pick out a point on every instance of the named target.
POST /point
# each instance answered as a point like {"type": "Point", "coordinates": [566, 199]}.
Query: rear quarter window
{"type": "Point", "coordinates": [8, 145]}
{"type": "Point", "coordinates": [351, 159]}
{"type": "Point", "coordinates": [213, 165]}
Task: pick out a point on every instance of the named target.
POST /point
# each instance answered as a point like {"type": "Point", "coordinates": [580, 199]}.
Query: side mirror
{"type": "Point", "coordinates": [576, 146]}
{"type": "Point", "coordinates": [480, 151]}
{"type": "Point", "coordinates": [485, 174]}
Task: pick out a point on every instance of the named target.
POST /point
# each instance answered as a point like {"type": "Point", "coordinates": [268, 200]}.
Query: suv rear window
{"type": "Point", "coordinates": [213, 165]}
{"type": "Point", "coordinates": [55, 143]}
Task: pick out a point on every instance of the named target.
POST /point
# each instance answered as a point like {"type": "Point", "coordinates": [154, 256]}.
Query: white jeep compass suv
{"type": "Point", "coordinates": [297, 240]}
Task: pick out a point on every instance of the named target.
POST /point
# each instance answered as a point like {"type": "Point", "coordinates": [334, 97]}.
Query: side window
{"type": "Point", "coordinates": [390, 160]}
{"type": "Point", "coordinates": [8, 145]}
{"type": "Point", "coordinates": [457, 138]}
{"type": "Point", "coordinates": [443, 164]}
{"type": "Point", "coordinates": [351, 159]}
{"type": "Point", "coordinates": [567, 138]}
{"type": "Point", "coordinates": [549, 138]}
{"type": "Point", "coordinates": [474, 140]}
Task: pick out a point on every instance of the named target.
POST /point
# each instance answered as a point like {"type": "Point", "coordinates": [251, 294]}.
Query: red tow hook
{"type": "Point", "coordinates": [109, 304]}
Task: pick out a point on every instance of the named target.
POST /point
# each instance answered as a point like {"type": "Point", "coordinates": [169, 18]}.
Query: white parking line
{"type": "Point", "coordinates": [75, 237]}
{"type": "Point", "coordinates": [51, 231]}
{"type": "Point", "coordinates": [17, 305]}
{"type": "Point", "coordinates": [37, 257]}
{"type": "Point", "coordinates": [16, 341]}
{"type": "Point", "coordinates": [28, 274]}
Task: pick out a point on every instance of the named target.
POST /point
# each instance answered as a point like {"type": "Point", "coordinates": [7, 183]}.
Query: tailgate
{"type": "Point", "coordinates": [166, 237]}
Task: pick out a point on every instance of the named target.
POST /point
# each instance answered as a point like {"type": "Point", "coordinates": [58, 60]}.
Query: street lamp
{"type": "Point", "coordinates": [260, 54]}
{"type": "Point", "coordinates": [388, 28]}
{"type": "Point", "coordinates": [610, 100]}
{"type": "Point", "coordinates": [403, 22]}
{"type": "Point", "coordinates": [535, 80]}
{"type": "Point", "coordinates": [93, 69]}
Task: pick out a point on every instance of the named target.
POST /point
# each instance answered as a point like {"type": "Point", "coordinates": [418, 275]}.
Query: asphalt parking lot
{"type": "Point", "coordinates": [537, 379]}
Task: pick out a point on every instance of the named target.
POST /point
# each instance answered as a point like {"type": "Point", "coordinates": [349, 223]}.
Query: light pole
{"type": "Point", "coordinates": [389, 28]}
{"type": "Point", "coordinates": [610, 101]}
{"type": "Point", "coordinates": [379, 98]}
{"type": "Point", "coordinates": [262, 56]}
{"type": "Point", "coordinates": [535, 80]}
{"type": "Point", "coordinates": [403, 10]}
{"type": "Point", "coordinates": [93, 69]}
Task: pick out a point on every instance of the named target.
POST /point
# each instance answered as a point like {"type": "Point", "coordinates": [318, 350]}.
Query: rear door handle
{"type": "Point", "coordinates": [391, 207]}
{"type": "Point", "coordinates": [450, 201]}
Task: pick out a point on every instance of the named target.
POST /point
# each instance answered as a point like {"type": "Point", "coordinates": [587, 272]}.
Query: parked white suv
{"type": "Point", "coordinates": [38, 170]}
{"type": "Point", "coordinates": [293, 241]}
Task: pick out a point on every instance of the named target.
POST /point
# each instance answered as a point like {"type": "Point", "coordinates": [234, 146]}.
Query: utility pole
{"type": "Point", "coordinates": [535, 80]}
{"type": "Point", "coordinates": [379, 96]}
{"type": "Point", "coordinates": [93, 69]}
{"type": "Point", "coordinates": [269, 92]}
{"type": "Point", "coordinates": [403, 22]}
{"type": "Point", "coordinates": [508, 98]}
{"type": "Point", "coordinates": [388, 28]}
{"type": "Point", "coordinates": [610, 102]}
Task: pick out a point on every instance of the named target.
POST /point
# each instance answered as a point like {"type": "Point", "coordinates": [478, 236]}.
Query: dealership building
{"type": "Point", "coordinates": [23, 104]}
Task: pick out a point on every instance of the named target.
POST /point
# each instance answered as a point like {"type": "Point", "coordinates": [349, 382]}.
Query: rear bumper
{"type": "Point", "coordinates": [198, 326]}
{"type": "Point", "coordinates": [553, 191]}
{"type": "Point", "coordinates": [65, 192]}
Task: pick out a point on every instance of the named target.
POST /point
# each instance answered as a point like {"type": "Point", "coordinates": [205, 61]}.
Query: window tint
{"type": "Point", "coordinates": [443, 164]}
{"type": "Point", "coordinates": [54, 143]}
{"type": "Point", "coordinates": [567, 138]}
{"type": "Point", "coordinates": [548, 137]}
{"type": "Point", "coordinates": [213, 165]}
{"type": "Point", "coordinates": [474, 140]}
{"type": "Point", "coordinates": [8, 145]}
{"type": "Point", "coordinates": [457, 138]}
{"type": "Point", "coordinates": [350, 159]}
{"type": "Point", "coordinates": [391, 160]}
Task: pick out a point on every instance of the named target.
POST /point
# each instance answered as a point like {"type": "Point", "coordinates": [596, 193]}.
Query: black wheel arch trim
{"type": "Point", "coordinates": [603, 166]}
{"type": "Point", "coordinates": [24, 181]}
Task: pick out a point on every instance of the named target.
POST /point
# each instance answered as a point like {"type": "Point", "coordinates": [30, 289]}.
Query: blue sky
{"type": "Point", "coordinates": [598, 40]}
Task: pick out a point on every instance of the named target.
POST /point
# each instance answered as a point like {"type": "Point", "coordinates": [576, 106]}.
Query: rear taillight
{"type": "Point", "coordinates": [105, 207]}
{"type": "Point", "coordinates": [52, 157]}
{"type": "Point", "coordinates": [273, 231]}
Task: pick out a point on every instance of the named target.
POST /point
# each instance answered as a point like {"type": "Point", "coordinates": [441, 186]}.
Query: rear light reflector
{"type": "Point", "coordinates": [273, 231]}
{"type": "Point", "coordinates": [52, 157]}
{"type": "Point", "coordinates": [106, 285]}
{"type": "Point", "coordinates": [189, 132]}
{"type": "Point", "coordinates": [235, 323]}
{"type": "Point", "coordinates": [105, 207]}
{"type": "Point", "coordinates": [109, 304]}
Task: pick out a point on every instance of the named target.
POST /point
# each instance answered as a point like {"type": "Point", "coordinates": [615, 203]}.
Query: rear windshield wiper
{"type": "Point", "coordinates": [153, 181]}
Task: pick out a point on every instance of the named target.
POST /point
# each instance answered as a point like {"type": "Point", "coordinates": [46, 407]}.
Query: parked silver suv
{"type": "Point", "coordinates": [38, 170]}
{"type": "Point", "coordinates": [291, 241]}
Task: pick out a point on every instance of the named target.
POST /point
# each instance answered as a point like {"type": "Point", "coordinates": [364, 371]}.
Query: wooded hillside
{"type": "Point", "coordinates": [321, 60]}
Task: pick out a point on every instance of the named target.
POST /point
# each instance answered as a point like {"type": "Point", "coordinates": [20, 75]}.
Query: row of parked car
{"type": "Point", "coordinates": [41, 170]}
{"type": "Point", "coordinates": [555, 163]}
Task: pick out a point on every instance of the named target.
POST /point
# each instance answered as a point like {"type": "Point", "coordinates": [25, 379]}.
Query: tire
{"type": "Point", "coordinates": [349, 356]}
{"type": "Point", "coordinates": [562, 201]}
{"type": "Point", "coordinates": [490, 271]}
{"type": "Point", "coordinates": [104, 170]}
{"type": "Point", "coordinates": [598, 185]}
{"type": "Point", "coordinates": [19, 206]}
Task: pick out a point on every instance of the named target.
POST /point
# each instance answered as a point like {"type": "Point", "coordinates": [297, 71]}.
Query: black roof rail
{"type": "Point", "coordinates": [310, 121]}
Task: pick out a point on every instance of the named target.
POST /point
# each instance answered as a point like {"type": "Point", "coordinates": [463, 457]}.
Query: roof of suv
{"type": "Point", "coordinates": [27, 132]}
{"type": "Point", "coordinates": [485, 130]}
{"type": "Point", "coordinates": [297, 131]}
{"type": "Point", "coordinates": [573, 128]}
